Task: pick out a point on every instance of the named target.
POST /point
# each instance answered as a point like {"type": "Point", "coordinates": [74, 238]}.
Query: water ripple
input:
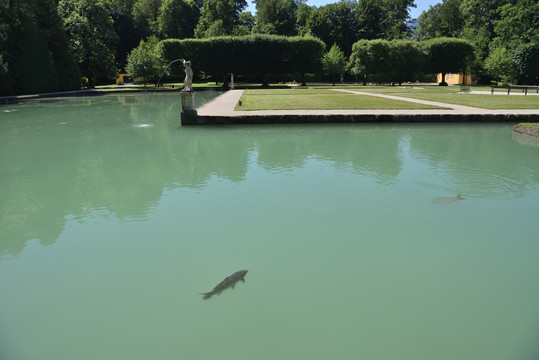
{"type": "Point", "coordinates": [480, 184]}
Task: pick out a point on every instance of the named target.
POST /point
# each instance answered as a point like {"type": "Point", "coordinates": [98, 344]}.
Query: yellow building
{"type": "Point", "coordinates": [455, 79]}
{"type": "Point", "coordinates": [123, 78]}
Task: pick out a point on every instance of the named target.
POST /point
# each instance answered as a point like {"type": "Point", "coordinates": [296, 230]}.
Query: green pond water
{"type": "Point", "coordinates": [113, 220]}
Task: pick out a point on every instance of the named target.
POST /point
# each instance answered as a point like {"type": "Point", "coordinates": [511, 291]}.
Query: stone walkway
{"type": "Point", "coordinates": [223, 106]}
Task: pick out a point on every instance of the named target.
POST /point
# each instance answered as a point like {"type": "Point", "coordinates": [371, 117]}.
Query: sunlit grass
{"type": "Point", "coordinates": [451, 95]}
{"type": "Point", "coordinates": [530, 125]}
{"type": "Point", "coordinates": [318, 99]}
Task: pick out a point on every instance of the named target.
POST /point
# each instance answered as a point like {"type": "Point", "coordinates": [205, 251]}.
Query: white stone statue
{"type": "Point", "coordinates": [188, 82]}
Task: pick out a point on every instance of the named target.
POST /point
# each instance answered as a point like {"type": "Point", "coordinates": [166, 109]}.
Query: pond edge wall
{"type": "Point", "coordinates": [356, 118]}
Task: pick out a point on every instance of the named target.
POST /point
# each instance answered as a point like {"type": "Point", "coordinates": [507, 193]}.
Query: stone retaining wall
{"type": "Point", "coordinates": [522, 129]}
{"type": "Point", "coordinates": [355, 118]}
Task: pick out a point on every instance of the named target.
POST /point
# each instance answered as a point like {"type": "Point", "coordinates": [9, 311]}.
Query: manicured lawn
{"type": "Point", "coordinates": [451, 95]}
{"type": "Point", "coordinates": [318, 99]}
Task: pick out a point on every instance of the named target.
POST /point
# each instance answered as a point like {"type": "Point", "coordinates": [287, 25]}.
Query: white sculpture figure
{"type": "Point", "coordinates": [188, 82]}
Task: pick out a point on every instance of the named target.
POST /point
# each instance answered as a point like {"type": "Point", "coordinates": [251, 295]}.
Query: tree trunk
{"type": "Point", "coordinates": [443, 83]}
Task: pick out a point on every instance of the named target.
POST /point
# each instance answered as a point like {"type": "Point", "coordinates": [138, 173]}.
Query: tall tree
{"type": "Point", "coordinates": [146, 14]}
{"type": "Point", "coordinates": [25, 60]}
{"type": "Point", "coordinates": [178, 19]}
{"type": "Point", "coordinates": [246, 23]}
{"type": "Point", "coordinates": [302, 15]}
{"type": "Point", "coordinates": [93, 39]}
{"type": "Point", "coordinates": [511, 51]}
{"type": "Point", "coordinates": [441, 20]}
{"type": "Point", "coordinates": [334, 63]}
{"type": "Point", "coordinates": [129, 34]}
{"type": "Point", "coordinates": [518, 23]}
{"type": "Point", "coordinates": [334, 24]}
{"type": "Point", "coordinates": [480, 17]}
{"type": "Point", "coordinates": [50, 28]}
{"type": "Point", "coordinates": [526, 62]}
{"type": "Point", "coordinates": [276, 16]}
{"type": "Point", "coordinates": [383, 19]}
{"type": "Point", "coordinates": [219, 17]}
{"type": "Point", "coordinates": [396, 14]}
{"type": "Point", "coordinates": [369, 15]}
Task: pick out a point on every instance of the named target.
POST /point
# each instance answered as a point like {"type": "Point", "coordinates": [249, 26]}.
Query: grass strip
{"type": "Point", "coordinates": [530, 125]}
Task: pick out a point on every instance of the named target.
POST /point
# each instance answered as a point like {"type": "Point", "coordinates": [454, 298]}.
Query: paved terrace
{"type": "Point", "coordinates": [221, 111]}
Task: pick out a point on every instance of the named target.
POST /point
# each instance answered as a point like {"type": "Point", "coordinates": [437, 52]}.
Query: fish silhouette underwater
{"type": "Point", "coordinates": [229, 282]}
{"type": "Point", "coordinates": [447, 200]}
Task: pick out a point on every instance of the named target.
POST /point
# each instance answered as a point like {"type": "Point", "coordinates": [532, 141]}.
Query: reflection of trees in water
{"type": "Point", "coordinates": [120, 159]}
{"type": "Point", "coordinates": [115, 164]}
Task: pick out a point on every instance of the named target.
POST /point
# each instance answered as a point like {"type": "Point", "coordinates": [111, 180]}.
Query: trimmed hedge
{"type": "Point", "coordinates": [405, 60]}
{"type": "Point", "coordinates": [247, 55]}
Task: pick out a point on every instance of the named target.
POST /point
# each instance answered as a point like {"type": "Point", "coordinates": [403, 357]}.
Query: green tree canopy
{"type": "Point", "coordinates": [395, 60]}
{"type": "Point", "coordinates": [129, 35]}
{"type": "Point", "coordinates": [500, 65]}
{"type": "Point", "coordinates": [334, 62]}
{"type": "Point", "coordinates": [93, 38]}
{"type": "Point", "coordinates": [382, 19]}
{"type": "Point", "coordinates": [444, 19]}
{"type": "Point", "coordinates": [143, 61]}
{"type": "Point", "coordinates": [219, 17]}
{"type": "Point", "coordinates": [146, 16]}
{"type": "Point", "coordinates": [448, 55]}
{"type": "Point", "coordinates": [369, 15]}
{"type": "Point", "coordinates": [246, 23]}
{"type": "Point", "coordinates": [178, 18]}
{"type": "Point", "coordinates": [396, 12]}
{"type": "Point", "coordinates": [276, 16]}
{"type": "Point", "coordinates": [26, 64]}
{"type": "Point", "coordinates": [333, 24]}
{"type": "Point", "coordinates": [34, 27]}
{"type": "Point", "coordinates": [518, 23]}
{"type": "Point", "coordinates": [480, 17]}
{"type": "Point", "coordinates": [526, 62]}
{"type": "Point", "coordinates": [370, 57]}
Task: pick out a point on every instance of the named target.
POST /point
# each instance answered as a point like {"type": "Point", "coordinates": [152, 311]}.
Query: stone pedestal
{"type": "Point", "coordinates": [188, 101]}
{"type": "Point", "coordinates": [189, 111]}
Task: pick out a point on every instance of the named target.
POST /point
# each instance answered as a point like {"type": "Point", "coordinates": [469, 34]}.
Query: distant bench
{"type": "Point", "coordinates": [524, 88]}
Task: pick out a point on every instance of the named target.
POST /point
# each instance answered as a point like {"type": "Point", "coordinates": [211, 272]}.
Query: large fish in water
{"type": "Point", "coordinates": [229, 282]}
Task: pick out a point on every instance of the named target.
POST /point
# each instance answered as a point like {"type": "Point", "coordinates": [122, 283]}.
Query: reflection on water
{"type": "Point", "coordinates": [89, 157]}
{"type": "Point", "coordinates": [526, 140]}
{"type": "Point", "coordinates": [347, 247]}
